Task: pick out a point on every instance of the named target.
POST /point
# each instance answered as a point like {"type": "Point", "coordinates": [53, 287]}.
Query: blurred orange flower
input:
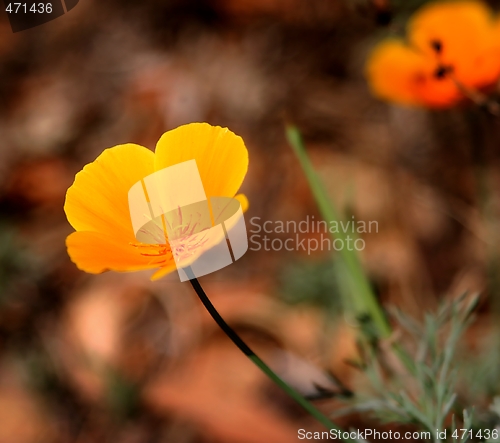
{"type": "Point", "coordinates": [452, 52]}
{"type": "Point", "coordinates": [97, 203]}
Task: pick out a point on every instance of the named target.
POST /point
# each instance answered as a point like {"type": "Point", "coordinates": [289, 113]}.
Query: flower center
{"type": "Point", "coordinates": [442, 70]}
{"type": "Point", "coordinates": [186, 236]}
{"type": "Point", "coordinates": [437, 46]}
{"type": "Point", "coordinates": [186, 247]}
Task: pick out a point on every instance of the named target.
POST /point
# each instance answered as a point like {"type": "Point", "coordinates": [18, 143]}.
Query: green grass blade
{"type": "Point", "coordinates": [359, 296]}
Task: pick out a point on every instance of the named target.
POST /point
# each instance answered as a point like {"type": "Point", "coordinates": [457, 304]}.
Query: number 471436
{"type": "Point", "coordinates": [481, 434]}
{"type": "Point", "coordinates": [40, 8]}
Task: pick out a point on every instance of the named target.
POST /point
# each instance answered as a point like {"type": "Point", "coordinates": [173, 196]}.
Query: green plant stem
{"type": "Point", "coordinates": [363, 299]}
{"type": "Point", "coordinates": [237, 340]}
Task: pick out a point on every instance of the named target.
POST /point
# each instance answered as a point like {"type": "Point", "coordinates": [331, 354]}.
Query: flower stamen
{"type": "Point", "coordinates": [442, 71]}
{"type": "Point", "coordinates": [437, 45]}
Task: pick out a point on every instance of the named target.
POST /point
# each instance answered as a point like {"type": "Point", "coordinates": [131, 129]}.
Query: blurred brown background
{"type": "Point", "coordinates": [116, 358]}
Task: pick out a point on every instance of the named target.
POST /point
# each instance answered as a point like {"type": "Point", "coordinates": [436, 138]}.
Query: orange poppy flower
{"type": "Point", "coordinates": [452, 51]}
{"type": "Point", "coordinates": [97, 204]}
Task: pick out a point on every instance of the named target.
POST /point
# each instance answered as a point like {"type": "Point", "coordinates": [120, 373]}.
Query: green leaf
{"type": "Point", "coordinates": [358, 295]}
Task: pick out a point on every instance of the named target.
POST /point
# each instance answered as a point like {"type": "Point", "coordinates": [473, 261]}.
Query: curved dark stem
{"type": "Point", "coordinates": [218, 319]}
{"type": "Point", "coordinates": [236, 339]}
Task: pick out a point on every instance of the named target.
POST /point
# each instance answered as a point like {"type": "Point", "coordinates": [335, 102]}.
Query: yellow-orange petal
{"type": "Point", "coordinates": [392, 71]}
{"type": "Point", "coordinates": [465, 32]}
{"type": "Point", "coordinates": [98, 199]}
{"type": "Point", "coordinates": [162, 272]}
{"type": "Point", "coordinates": [95, 252]}
{"type": "Point", "coordinates": [242, 198]}
{"type": "Point", "coordinates": [221, 156]}
{"type": "Point", "coordinates": [397, 73]}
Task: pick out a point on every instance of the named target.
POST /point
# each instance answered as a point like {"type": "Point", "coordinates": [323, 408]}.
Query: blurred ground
{"type": "Point", "coordinates": [117, 358]}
